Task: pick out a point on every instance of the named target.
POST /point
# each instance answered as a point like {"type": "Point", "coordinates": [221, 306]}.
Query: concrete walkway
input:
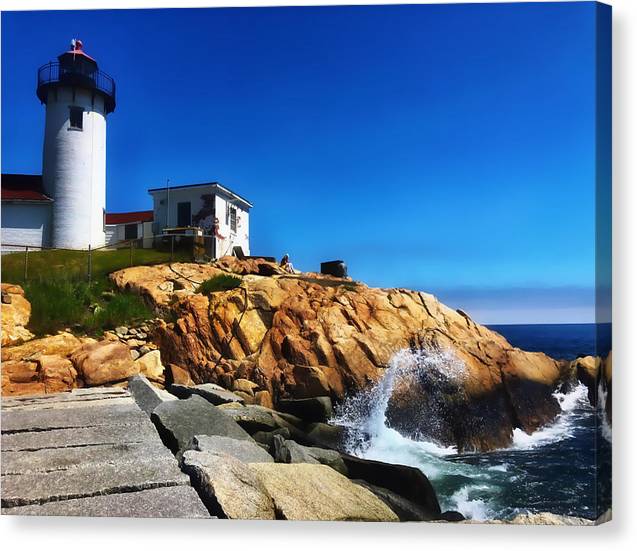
{"type": "Point", "coordinates": [90, 452]}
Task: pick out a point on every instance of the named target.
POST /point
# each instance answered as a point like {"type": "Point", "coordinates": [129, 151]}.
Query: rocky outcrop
{"type": "Point", "coordinates": [288, 451]}
{"type": "Point", "coordinates": [146, 395]}
{"type": "Point", "coordinates": [62, 362]}
{"type": "Point", "coordinates": [180, 421]}
{"type": "Point", "coordinates": [229, 487]}
{"type": "Point", "coordinates": [408, 482]}
{"type": "Point", "coordinates": [16, 311]}
{"type": "Point", "coordinates": [302, 491]}
{"type": "Point", "coordinates": [247, 451]}
{"type": "Point", "coordinates": [40, 366]}
{"type": "Point", "coordinates": [549, 519]}
{"type": "Point", "coordinates": [305, 336]}
{"type": "Point", "coordinates": [215, 394]}
{"type": "Point", "coordinates": [161, 284]}
{"type": "Point", "coordinates": [61, 344]}
{"type": "Point", "coordinates": [151, 367]}
{"type": "Point", "coordinates": [103, 362]}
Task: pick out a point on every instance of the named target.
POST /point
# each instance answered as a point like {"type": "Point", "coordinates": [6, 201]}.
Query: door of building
{"type": "Point", "coordinates": [183, 215]}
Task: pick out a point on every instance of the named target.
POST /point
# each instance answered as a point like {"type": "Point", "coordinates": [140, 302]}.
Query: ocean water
{"type": "Point", "coordinates": [562, 468]}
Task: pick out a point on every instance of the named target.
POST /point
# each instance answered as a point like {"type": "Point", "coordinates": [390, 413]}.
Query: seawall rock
{"type": "Point", "coordinates": [306, 336]}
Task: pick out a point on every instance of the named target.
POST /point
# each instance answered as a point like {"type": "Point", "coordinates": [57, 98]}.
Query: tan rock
{"type": "Point", "coordinates": [16, 311]}
{"type": "Point", "coordinates": [61, 344]}
{"type": "Point", "coordinates": [19, 371]}
{"type": "Point", "coordinates": [263, 398]}
{"type": "Point", "coordinates": [179, 375]}
{"type": "Point", "coordinates": [246, 386]}
{"type": "Point", "coordinates": [230, 485]}
{"type": "Point", "coordinates": [150, 365]}
{"type": "Point", "coordinates": [104, 362]}
{"type": "Point", "coordinates": [550, 519]}
{"type": "Point", "coordinates": [303, 491]}
{"type": "Point", "coordinates": [22, 389]}
{"type": "Point", "coordinates": [58, 374]}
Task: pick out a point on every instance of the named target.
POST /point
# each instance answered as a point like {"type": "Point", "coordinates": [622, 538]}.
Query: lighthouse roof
{"type": "Point", "coordinates": [77, 53]}
{"type": "Point", "coordinates": [77, 50]}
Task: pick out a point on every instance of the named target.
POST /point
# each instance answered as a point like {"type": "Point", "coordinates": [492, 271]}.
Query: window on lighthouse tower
{"type": "Point", "coordinates": [76, 118]}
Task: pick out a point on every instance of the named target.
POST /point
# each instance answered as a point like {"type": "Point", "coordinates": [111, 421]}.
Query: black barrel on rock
{"type": "Point", "coordinates": [336, 268]}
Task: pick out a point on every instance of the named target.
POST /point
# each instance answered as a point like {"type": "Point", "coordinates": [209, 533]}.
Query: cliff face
{"type": "Point", "coordinates": [308, 335]}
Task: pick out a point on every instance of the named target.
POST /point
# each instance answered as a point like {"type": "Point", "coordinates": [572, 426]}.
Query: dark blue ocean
{"type": "Point", "coordinates": [560, 341]}
{"type": "Point", "coordinates": [563, 468]}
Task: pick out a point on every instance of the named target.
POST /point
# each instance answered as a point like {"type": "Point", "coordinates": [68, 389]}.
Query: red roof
{"type": "Point", "coordinates": [23, 187]}
{"type": "Point", "coordinates": [129, 217]}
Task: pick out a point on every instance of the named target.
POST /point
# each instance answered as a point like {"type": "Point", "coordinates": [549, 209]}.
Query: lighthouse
{"type": "Point", "coordinates": [78, 97]}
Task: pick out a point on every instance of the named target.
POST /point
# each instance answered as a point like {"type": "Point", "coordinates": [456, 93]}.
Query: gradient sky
{"type": "Point", "coordinates": [444, 148]}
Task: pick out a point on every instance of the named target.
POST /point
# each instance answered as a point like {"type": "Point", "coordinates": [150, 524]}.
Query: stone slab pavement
{"type": "Point", "coordinates": [89, 452]}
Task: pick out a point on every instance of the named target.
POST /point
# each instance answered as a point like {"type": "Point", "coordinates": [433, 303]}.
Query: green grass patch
{"type": "Point", "coordinates": [73, 265]}
{"type": "Point", "coordinates": [59, 304]}
{"type": "Point", "coordinates": [61, 297]}
{"type": "Point", "coordinates": [122, 309]}
{"type": "Point", "coordinates": [221, 282]}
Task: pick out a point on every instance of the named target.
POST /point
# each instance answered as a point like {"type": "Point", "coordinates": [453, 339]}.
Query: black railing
{"type": "Point", "coordinates": [54, 74]}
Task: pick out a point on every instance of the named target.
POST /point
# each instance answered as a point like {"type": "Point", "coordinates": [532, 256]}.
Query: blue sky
{"type": "Point", "coordinates": [445, 148]}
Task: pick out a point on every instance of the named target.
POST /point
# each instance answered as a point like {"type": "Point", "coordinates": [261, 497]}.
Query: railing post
{"type": "Point", "coordinates": [172, 246]}
{"type": "Point", "coordinates": [131, 252]}
{"type": "Point", "coordinates": [26, 263]}
{"type": "Point", "coordinates": [90, 265]}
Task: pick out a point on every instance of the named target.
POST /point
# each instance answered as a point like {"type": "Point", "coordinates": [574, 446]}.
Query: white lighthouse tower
{"type": "Point", "coordinates": [78, 96]}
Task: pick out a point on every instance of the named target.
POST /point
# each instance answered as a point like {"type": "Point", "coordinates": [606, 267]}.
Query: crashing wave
{"type": "Point", "coordinates": [365, 413]}
{"type": "Point", "coordinates": [561, 428]}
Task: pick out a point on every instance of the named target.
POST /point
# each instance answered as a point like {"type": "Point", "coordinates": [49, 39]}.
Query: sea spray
{"type": "Point", "coordinates": [602, 399]}
{"type": "Point", "coordinates": [370, 436]}
{"type": "Point", "coordinates": [479, 485]}
{"type": "Point", "coordinates": [563, 427]}
{"type": "Point", "coordinates": [366, 413]}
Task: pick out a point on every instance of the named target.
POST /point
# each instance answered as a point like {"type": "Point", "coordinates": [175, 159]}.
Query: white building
{"type": "Point", "coordinates": [26, 212]}
{"type": "Point", "coordinates": [65, 206]}
{"type": "Point", "coordinates": [124, 226]}
{"type": "Point", "coordinates": [220, 212]}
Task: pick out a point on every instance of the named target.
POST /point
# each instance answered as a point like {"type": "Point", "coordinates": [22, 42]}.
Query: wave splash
{"type": "Point", "coordinates": [473, 484]}
{"type": "Point", "coordinates": [562, 428]}
{"type": "Point", "coordinates": [602, 398]}
{"type": "Point", "coordinates": [365, 413]}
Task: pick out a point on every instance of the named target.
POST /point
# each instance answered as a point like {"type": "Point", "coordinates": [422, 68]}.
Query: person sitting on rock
{"type": "Point", "coordinates": [286, 264]}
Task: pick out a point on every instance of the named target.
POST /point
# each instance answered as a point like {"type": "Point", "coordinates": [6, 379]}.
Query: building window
{"type": "Point", "coordinates": [130, 231]}
{"type": "Point", "coordinates": [183, 215]}
{"type": "Point", "coordinates": [233, 219]}
{"type": "Point", "coordinates": [76, 118]}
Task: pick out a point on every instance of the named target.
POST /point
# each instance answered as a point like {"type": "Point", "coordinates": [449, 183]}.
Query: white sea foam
{"type": "Point", "coordinates": [372, 438]}
{"type": "Point", "coordinates": [471, 508]}
{"type": "Point", "coordinates": [602, 397]}
{"type": "Point", "coordinates": [561, 428]}
{"type": "Point", "coordinates": [499, 468]}
{"type": "Point", "coordinates": [366, 412]}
